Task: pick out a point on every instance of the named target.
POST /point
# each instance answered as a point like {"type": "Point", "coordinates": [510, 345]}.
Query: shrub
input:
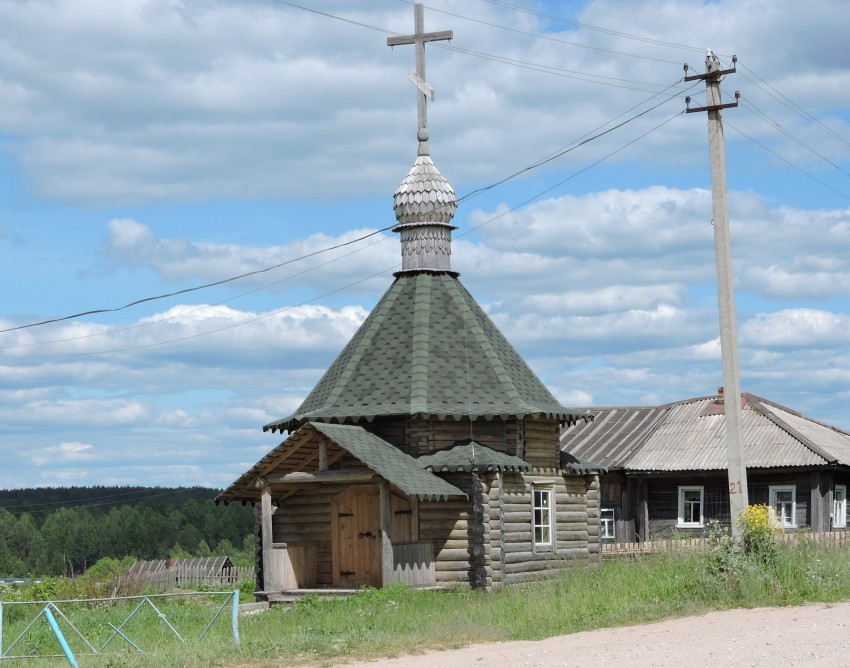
{"type": "Point", "coordinates": [759, 530]}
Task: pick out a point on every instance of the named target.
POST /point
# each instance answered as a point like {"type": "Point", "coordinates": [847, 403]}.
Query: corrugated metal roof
{"type": "Point", "coordinates": [384, 459]}
{"type": "Point", "coordinates": [472, 457]}
{"type": "Point", "coordinates": [427, 349]}
{"type": "Point", "coordinates": [690, 436]}
{"type": "Point", "coordinates": [612, 436]}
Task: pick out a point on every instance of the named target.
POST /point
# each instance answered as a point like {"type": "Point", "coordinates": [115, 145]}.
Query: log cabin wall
{"type": "Point", "coordinates": [541, 443]}
{"type": "Point", "coordinates": [423, 436]}
{"type": "Point", "coordinates": [576, 524]}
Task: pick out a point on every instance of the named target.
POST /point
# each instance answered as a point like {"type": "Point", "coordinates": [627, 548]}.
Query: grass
{"type": "Point", "coordinates": [396, 620]}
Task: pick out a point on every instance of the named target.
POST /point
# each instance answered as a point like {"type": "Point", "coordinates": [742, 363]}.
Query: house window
{"type": "Point", "coordinates": [839, 507]}
{"type": "Point", "coordinates": [783, 501]}
{"type": "Point", "coordinates": [606, 520]}
{"type": "Point", "coordinates": [690, 507]}
{"type": "Point", "coordinates": [543, 516]}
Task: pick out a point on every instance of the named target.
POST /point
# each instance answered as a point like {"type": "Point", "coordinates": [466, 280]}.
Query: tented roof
{"type": "Point", "coordinates": [427, 349]}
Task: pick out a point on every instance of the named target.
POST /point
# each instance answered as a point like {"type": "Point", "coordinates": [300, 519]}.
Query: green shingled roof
{"type": "Point", "coordinates": [384, 459]}
{"type": "Point", "coordinates": [472, 457]}
{"type": "Point", "coordinates": [389, 462]}
{"type": "Point", "coordinates": [427, 349]}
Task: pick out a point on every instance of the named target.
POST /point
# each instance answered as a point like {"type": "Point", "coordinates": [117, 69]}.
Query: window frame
{"type": "Point", "coordinates": [773, 490]}
{"type": "Point", "coordinates": [681, 523]}
{"type": "Point", "coordinates": [607, 526]}
{"type": "Point", "coordinates": [842, 512]}
{"type": "Point", "coordinates": [549, 524]}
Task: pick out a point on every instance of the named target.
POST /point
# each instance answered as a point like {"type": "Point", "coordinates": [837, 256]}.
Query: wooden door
{"type": "Point", "coordinates": [357, 537]}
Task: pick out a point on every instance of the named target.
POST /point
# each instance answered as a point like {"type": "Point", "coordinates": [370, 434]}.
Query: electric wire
{"type": "Point", "coordinates": [543, 37]}
{"type": "Point", "coordinates": [350, 285]}
{"type": "Point", "coordinates": [197, 287]}
{"type": "Point", "coordinates": [767, 119]}
{"type": "Point", "coordinates": [787, 162]}
{"type": "Point", "coordinates": [199, 308]}
{"type": "Point", "coordinates": [790, 104]}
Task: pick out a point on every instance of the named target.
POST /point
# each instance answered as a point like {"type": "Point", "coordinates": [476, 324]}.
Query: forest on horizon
{"type": "Point", "coordinates": [64, 530]}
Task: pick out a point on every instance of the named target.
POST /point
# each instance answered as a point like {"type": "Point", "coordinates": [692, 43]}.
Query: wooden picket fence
{"type": "Point", "coordinates": [701, 544]}
{"type": "Point", "coordinates": [187, 577]}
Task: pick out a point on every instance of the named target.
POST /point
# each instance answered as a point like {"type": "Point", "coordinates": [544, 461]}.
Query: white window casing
{"type": "Point", "coordinates": [606, 524]}
{"type": "Point", "coordinates": [691, 507]}
{"type": "Point", "coordinates": [783, 503]}
{"type": "Point", "coordinates": [839, 507]}
{"type": "Point", "coordinates": [543, 517]}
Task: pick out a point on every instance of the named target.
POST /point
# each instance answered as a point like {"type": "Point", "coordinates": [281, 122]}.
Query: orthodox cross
{"type": "Point", "coordinates": [418, 78]}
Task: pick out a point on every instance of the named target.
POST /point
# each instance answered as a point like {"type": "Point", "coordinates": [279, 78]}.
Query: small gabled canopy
{"type": "Point", "coordinates": [472, 456]}
{"type": "Point", "coordinates": [298, 454]}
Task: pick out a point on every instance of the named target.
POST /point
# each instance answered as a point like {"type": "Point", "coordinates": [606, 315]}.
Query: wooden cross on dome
{"type": "Point", "coordinates": [418, 78]}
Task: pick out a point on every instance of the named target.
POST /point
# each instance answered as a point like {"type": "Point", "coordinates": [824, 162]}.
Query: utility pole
{"type": "Point", "coordinates": [738, 495]}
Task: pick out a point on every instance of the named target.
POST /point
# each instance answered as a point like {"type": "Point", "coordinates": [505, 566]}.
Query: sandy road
{"type": "Point", "coordinates": [810, 635]}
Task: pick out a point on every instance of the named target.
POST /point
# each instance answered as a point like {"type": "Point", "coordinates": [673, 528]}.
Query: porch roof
{"type": "Point", "coordinates": [387, 461]}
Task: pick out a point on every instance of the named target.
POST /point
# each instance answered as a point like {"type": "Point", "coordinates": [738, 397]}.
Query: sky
{"type": "Point", "coordinates": [148, 147]}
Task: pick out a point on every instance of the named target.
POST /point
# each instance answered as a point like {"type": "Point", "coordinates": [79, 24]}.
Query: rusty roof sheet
{"type": "Point", "coordinates": [690, 436]}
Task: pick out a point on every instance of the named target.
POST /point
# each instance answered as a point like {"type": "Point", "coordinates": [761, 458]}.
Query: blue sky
{"type": "Point", "coordinates": [147, 147]}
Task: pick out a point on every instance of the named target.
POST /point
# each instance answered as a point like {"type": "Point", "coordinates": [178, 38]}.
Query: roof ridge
{"type": "Point", "coordinates": [760, 408]}
{"type": "Point", "coordinates": [375, 320]}
{"type": "Point", "coordinates": [419, 353]}
{"type": "Point", "coordinates": [466, 301]}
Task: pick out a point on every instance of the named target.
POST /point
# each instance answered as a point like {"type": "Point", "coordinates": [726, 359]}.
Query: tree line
{"type": "Point", "coordinates": [62, 531]}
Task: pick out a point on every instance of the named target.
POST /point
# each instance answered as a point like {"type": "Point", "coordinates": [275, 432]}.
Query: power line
{"type": "Point", "coordinates": [197, 287]}
{"type": "Point", "coordinates": [363, 280]}
{"type": "Point", "coordinates": [767, 119]}
{"type": "Point", "coordinates": [587, 26]}
{"type": "Point", "coordinates": [793, 106]}
{"type": "Point", "coordinates": [566, 149]}
{"type": "Point", "coordinates": [787, 162]}
{"type": "Point", "coordinates": [543, 37]}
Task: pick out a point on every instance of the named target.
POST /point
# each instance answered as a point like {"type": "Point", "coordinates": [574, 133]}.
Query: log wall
{"type": "Point", "coordinates": [576, 511]}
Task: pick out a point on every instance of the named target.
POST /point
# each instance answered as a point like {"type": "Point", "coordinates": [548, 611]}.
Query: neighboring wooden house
{"type": "Point", "coordinates": [666, 466]}
{"type": "Point", "coordinates": [428, 453]}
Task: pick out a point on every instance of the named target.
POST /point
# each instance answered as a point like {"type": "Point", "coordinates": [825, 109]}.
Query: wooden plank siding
{"type": "Point", "coordinates": [813, 509]}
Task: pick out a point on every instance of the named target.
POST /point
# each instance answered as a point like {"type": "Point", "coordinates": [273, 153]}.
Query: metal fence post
{"type": "Point", "coordinates": [58, 633]}
{"type": "Point", "coordinates": [235, 617]}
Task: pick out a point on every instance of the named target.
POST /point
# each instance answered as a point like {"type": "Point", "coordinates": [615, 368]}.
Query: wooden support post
{"type": "Point", "coordinates": [323, 454]}
{"type": "Point", "coordinates": [272, 580]}
{"type": "Point", "coordinates": [387, 565]}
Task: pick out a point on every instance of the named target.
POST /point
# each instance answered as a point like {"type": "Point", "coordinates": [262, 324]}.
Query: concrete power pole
{"type": "Point", "coordinates": [738, 495]}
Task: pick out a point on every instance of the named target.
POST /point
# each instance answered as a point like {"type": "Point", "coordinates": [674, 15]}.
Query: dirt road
{"type": "Point", "coordinates": [810, 635]}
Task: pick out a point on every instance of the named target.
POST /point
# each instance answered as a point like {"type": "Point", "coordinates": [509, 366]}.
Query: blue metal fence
{"type": "Point", "coordinates": [57, 614]}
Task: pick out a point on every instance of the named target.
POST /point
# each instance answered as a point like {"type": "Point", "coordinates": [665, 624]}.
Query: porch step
{"type": "Point", "coordinates": [291, 596]}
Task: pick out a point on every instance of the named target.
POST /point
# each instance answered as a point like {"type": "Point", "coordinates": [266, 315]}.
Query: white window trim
{"type": "Point", "coordinates": [839, 513]}
{"type": "Point", "coordinates": [607, 526]}
{"type": "Point", "coordinates": [550, 544]}
{"type": "Point", "coordinates": [774, 489]}
{"type": "Point", "coordinates": [680, 518]}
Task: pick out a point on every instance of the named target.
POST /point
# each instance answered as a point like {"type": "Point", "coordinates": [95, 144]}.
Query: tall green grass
{"type": "Point", "coordinates": [397, 620]}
